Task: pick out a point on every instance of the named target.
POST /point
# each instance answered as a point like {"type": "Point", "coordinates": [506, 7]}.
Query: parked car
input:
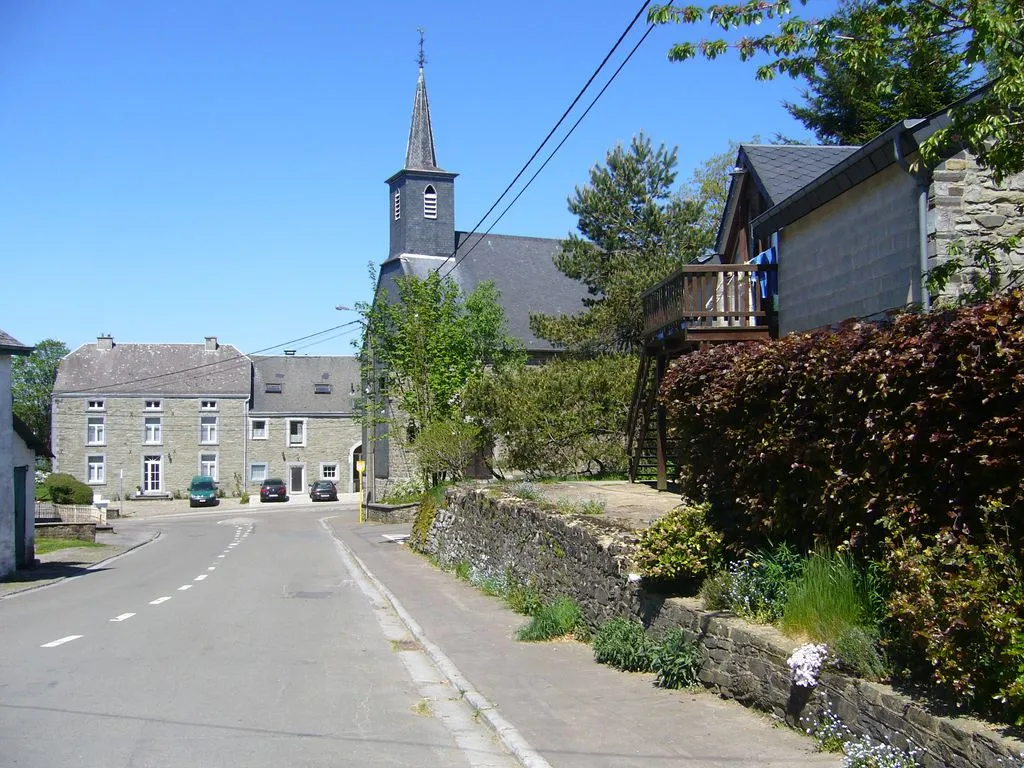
{"type": "Point", "coordinates": [202, 491]}
{"type": "Point", "coordinates": [273, 490]}
{"type": "Point", "coordinates": [323, 490]}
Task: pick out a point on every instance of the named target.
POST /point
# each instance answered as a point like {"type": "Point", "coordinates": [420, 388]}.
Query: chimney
{"type": "Point", "coordinates": [290, 352]}
{"type": "Point", "coordinates": [211, 344]}
{"type": "Point", "coordinates": [104, 342]}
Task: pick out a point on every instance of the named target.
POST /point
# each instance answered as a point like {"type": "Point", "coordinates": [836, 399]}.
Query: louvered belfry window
{"type": "Point", "coordinates": [430, 202]}
{"type": "Point", "coordinates": [398, 205]}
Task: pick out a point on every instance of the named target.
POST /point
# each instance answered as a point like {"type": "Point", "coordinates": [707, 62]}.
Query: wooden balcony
{"type": "Point", "coordinates": [708, 303]}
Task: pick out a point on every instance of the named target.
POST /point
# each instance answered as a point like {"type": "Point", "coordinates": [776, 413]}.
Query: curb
{"type": "Point", "coordinates": [92, 566]}
{"type": "Point", "coordinates": [505, 732]}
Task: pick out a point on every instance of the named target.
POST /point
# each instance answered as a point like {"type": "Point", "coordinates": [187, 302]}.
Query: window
{"type": "Point", "coordinates": [430, 202]}
{"type": "Point", "coordinates": [96, 431]}
{"type": "Point", "coordinates": [296, 432]}
{"type": "Point", "coordinates": [258, 429]}
{"type": "Point", "coordinates": [257, 473]}
{"type": "Point", "coordinates": [329, 471]}
{"type": "Point", "coordinates": [95, 466]}
{"type": "Point", "coordinates": [207, 429]}
{"type": "Point", "coordinates": [208, 405]}
{"type": "Point", "coordinates": [95, 405]}
{"type": "Point", "coordinates": [398, 204]}
{"type": "Point", "coordinates": [154, 430]}
{"type": "Point", "coordinates": [322, 389]}
{"type": "Point", "coordinates": [153, 405]}
{"type": "Point", "coordinates": [152, 474]}
{"type": "Point", "coordinates": [208, 465]}
{"type": "Point", "coordinates": [274, 389]}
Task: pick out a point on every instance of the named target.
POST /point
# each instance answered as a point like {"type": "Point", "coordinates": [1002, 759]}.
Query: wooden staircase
{"type": "Point", "coordinates": [651, 453]}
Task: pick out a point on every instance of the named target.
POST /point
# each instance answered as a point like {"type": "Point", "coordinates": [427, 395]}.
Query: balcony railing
{"type": "Point", "coordinates": [705, 297]}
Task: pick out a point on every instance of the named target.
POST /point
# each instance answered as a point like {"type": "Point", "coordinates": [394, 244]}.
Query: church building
{"type": "Point", "coordinates": [423, 238]}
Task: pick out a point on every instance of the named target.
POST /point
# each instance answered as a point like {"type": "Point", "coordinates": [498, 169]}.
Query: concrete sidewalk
{"type": "Point", "coordinates": [573, 711]}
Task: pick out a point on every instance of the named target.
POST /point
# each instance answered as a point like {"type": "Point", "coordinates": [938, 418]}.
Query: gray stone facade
{"type": "Point", "coordinates": [965, 204]}
{"type": "Point", "coordinates": [189, 433]}
{"type": "Point", "coordinates": [325, 453]}
{"type": "Point", "coordinates": [587, 559]}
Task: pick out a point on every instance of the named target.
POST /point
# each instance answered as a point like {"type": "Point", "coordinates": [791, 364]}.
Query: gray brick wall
{"type": "Point", "coordinates": [414, 233]}
{"type": "Point", "coordinates": [856, 256]}
{"type": "Point", "coordinates": [124, 448]}
{"type": "Point", "coordinates": [328, 439]}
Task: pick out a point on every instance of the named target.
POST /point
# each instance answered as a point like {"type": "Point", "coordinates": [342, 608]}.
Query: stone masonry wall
{"type": "Point", "coordinates": [965, 204]}
{"type": "Point", "coordinates": [587, 559]}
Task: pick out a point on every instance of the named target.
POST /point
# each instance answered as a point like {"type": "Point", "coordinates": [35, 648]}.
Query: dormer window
{"type": "Point", "coordinates": [274, 389]}
{"type": "Point", "coordinates": [96, 405]}
{"type": "Point", "coordinates": [398, 204]}
{"type": "Point", "coordinates": [430, 202]}
{"type": "Point", "coordinates": [153, 405]}
{"type": "Point", "coordinates": [322, 389]}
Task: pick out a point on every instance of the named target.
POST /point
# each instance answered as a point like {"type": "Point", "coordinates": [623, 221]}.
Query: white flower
{"type": "Point", "coordinates": [805, 664]}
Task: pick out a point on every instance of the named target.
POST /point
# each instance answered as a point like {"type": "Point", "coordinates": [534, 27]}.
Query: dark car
{"type": "Point", "coordinates": [323, 490]}
{"type": "Point", "coordinates": [273, 490]}
{"type": "Point", "coordinates": [202, 490]}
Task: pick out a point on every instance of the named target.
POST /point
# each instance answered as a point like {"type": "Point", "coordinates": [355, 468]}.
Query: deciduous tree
{"type": "Point", "coordinates": [32, 380]}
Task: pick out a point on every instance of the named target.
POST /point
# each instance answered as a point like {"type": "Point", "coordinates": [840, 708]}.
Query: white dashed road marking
{"type": "Point", "coordinates": [159, 600]}
{"type": "Point", "coordinates": [183, 588]}
{"type": "Point", "coordinates": [199, 578]}
{"type": "Point", "coordinates": [212, 568]}
{"type": "Point", "coordinates": [63, 640]}
{"type": "Point", "coordinates": [122, 617]}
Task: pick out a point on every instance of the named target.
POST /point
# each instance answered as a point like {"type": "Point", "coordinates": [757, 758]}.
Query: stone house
{"type": "Point", "coordinates": [303, 426]}
{"type": "Point", "coordinates": [423, 239]}
{"type": "Point", "coordinates": [145, 418]}
{"type": "Point", "coordinates": [14, 474]}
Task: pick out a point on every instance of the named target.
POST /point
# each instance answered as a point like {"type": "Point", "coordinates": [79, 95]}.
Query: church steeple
{"type": "Point", "coordinates": [422, 199]}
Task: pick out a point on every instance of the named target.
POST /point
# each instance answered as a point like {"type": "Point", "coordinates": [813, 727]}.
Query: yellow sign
{"type": "Point", "coordinates": [360, 465]}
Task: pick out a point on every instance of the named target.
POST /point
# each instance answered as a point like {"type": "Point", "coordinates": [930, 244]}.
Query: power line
{"type": "Point", "coordinates": [547, 138]}
{"type": "Point", "coordinates": [553, 152]}
{"type": "Point", "coordinates": [235, 361]}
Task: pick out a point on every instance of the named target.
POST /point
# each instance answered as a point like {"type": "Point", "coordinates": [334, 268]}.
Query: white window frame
{"type": "Point", "coordinates": [288, 434]}
{"type": "Point", "coordinates": [252, 471]}
{"type": "Point", "coordinates": [96, 430]}
{"type": "Point", "coordinates": [329, 471]}
{"type": "Point", "coordinates": [153, 436]}
{"type": "Point", "coordinates": [205, 462]}
{"type": "Point", "coordinates": [252, 429]}
{"type": "Point", "coordinates": [429, 202]}
{"type": "Point", "coordinates": [398, 204]}
{"type": "Point", "coordinates": [96, 469]}
{"type": "Point", "coordinates": [154, 405]}
{"type": "Point", "coordinates": [96, 405]}
{"type": "Point", "coordinates": [158, 462]}
{"type": "Point", "coordinates": [208, 405]}
{"type": "Point", "coordinates": [208, 430]}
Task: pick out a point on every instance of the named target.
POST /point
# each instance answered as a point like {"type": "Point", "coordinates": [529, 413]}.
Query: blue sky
{"type": "Point", "coordinates": [181, 169]}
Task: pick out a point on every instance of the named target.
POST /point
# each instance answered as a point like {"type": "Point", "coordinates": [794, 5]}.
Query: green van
{"type": "Point", "coordinates": [202, 491]}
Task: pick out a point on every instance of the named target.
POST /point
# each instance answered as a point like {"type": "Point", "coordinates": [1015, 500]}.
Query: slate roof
{"type": "Point", "coordinates": [154, 369]}
{"type": "Point", "coordinates": [11, 346]}
{"type": "Point", "coordinates": [419, 153]}
{"type": "Point", "coordinates": [298, 375]}
{"type": "Point", "coordinates": [521, 268]}
{"type": "Point", "coordinates": [782, 169]}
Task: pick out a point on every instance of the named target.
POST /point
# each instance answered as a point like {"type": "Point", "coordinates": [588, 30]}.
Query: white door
{"type": "Point", "coordinates": [152, 474]}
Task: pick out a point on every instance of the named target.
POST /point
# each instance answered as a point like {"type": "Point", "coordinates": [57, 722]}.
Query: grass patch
{"type": "Point", "coordinates": [552, 620]}
{"type": "Point", "coordinates": [463, 570]}
{"type": "Point", "coordinates": [422, 708]}
{"type": "Point", "coordinates": [45, 546]}
{"type": "Point", "coordinates": [589, 507]}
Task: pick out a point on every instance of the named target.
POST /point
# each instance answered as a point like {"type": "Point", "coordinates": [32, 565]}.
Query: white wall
{"type": "Point", "coordinates": [26, 457]}
{"type": "Point", "coordinates": [6, 469]}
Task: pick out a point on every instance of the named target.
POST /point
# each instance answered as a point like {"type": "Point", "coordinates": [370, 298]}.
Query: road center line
{"type": "Point", "coordinates": [199, 578]}
{"type": "Point", "coordinates": [122, 617]}
{"type": "Point", "coordinates": [184, 587]}
{"type": "Point", "coordinates": [63, 640]}
{"type": "Point", "coordinates": [212, 568]}
{"type": "Point", "coordinates": [159, 600]}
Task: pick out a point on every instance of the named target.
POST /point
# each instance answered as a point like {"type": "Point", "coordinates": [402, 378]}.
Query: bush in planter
{"type": "Point", "coordinates": [64, 489]}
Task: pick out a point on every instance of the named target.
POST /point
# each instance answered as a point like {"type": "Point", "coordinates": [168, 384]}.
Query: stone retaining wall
{"type": "Point", "coordinates": [82, 531]}
{"type": "Point", "coordinates": [586, 558]}
{"type": "Point", "coordinates": [391, 513]}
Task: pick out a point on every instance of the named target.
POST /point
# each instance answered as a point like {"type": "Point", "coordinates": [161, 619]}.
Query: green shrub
{"type": "Point", "coordinates": [523, 598]}
{"type": "Point", "coordinates": [624, 644]}
{"type": "Point", "coordinates": [760, 583]}
{"type": "Point", "coordinates": [64, 489]}
{"type": "Point", "coordinates": [856, 650]}
{"type": "Point", "coordinates": [526, 490]}
{"type": "Point", "coordinates": [463, 569]}
{"type": "Point", "coordinates": [676, 660]}
{"type": "Point", "coordinates": [243, 498]}
{"type": "Point", "coordinates": [445, 448]}
{"type": "Point", "coordinates": [552, 620]}
{"type": "Point", "coordinates": [716, 591]}
{"type": "Point", "coordinates": [422, 523]}
{"type": "Point", "coordinates": [679, 546]}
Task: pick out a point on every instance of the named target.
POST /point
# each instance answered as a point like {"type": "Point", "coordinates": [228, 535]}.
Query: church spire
{"type": "Point", "coordinates": [419, 154]}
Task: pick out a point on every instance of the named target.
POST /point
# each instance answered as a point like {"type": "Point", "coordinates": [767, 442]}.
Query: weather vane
{"type": "Point", "coordinates": [423, 59]}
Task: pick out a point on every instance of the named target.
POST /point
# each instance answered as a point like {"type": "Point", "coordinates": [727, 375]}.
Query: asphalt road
{"type": "Point", "coordinates": [243, 638]}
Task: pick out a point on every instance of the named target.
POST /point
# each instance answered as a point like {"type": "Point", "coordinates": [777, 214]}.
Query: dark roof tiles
{"type": "Point", "coordinates": [300, 377]}
{"type": "Point", "coordinates": [782, 169]}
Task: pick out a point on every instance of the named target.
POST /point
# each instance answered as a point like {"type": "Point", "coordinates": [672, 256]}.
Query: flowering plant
{"type": "Point", "coordinates": [805, 664]}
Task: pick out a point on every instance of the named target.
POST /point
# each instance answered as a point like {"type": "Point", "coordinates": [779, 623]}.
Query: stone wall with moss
{"type": "Point", "coordinates": [587, 558]}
